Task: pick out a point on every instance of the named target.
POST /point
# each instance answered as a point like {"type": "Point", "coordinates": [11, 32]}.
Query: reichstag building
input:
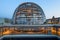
{"type": "Point", "coordinates": [29, 18]}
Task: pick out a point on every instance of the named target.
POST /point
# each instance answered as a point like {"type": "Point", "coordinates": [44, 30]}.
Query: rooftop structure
{"type": "Point", "coordinates": [53, 20]}
{"type": "Point", "coordinates": [29, 13]}
{"type": "Point", "coordinates": [5, 21]}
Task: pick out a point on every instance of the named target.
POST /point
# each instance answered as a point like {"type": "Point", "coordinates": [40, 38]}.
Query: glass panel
{"type": "Point", "coordinates": [53, 30]}
{"type": "Point", "coordinates": [58, 32]}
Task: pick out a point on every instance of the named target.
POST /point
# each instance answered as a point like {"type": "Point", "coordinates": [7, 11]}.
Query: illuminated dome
{"type": "Point", "coordinates": [29, 13]}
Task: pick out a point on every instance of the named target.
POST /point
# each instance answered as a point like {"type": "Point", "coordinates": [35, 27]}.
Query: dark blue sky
{"type": "Point", "coordinates": [50, 7]}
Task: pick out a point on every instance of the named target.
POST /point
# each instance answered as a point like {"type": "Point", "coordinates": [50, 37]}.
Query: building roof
{"type": "Point", "coordinates": [43, 25]}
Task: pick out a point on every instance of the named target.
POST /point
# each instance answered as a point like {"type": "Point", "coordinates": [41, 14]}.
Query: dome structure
{"type": "Point", "coordinates": [29, 13]}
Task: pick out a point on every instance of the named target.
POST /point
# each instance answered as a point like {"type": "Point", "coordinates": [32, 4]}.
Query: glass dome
{"type": "Point", "coordinates": [29, 13]}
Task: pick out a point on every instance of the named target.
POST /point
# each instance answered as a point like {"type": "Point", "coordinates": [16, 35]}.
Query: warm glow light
{"type": "Point", "coordinates": [16, 32]}
{"type": "Point", "coordinates": [58, 31]}
{"type": "Point", "coordinates": [7, 32]}
{"type": "Point", "coordinates": [42, 30]}
{"type": "Point", "coordinates": [53, 30]}
{"type": "Point", "coordinates": [30, 32]}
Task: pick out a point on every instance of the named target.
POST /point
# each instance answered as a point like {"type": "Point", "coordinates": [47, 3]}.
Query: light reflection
{"type": "Point", "coordinates": [58, 32]}
{"type": "Point", "coordinates": [53, 30]}
{"type": "Point", "coordinates": [7, 32]}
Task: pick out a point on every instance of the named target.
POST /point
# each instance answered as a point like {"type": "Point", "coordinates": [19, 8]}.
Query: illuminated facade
{"type": "Point", "coordinates": [46, 29]}
{"type": "Point", "coordinates": [53, 20]}
{"type": "Point", "coordinates": [29, 18]}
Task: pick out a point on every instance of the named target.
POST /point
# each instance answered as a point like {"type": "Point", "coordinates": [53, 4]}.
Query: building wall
{"type": "Point", "coordinates": [1, 21]}
{"type": "Point", "coordinates": [26, 29]}
{"type": "Point", "coordinates": [53, 20]}
{"type": "Point", "coordinates": [5, 21]}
